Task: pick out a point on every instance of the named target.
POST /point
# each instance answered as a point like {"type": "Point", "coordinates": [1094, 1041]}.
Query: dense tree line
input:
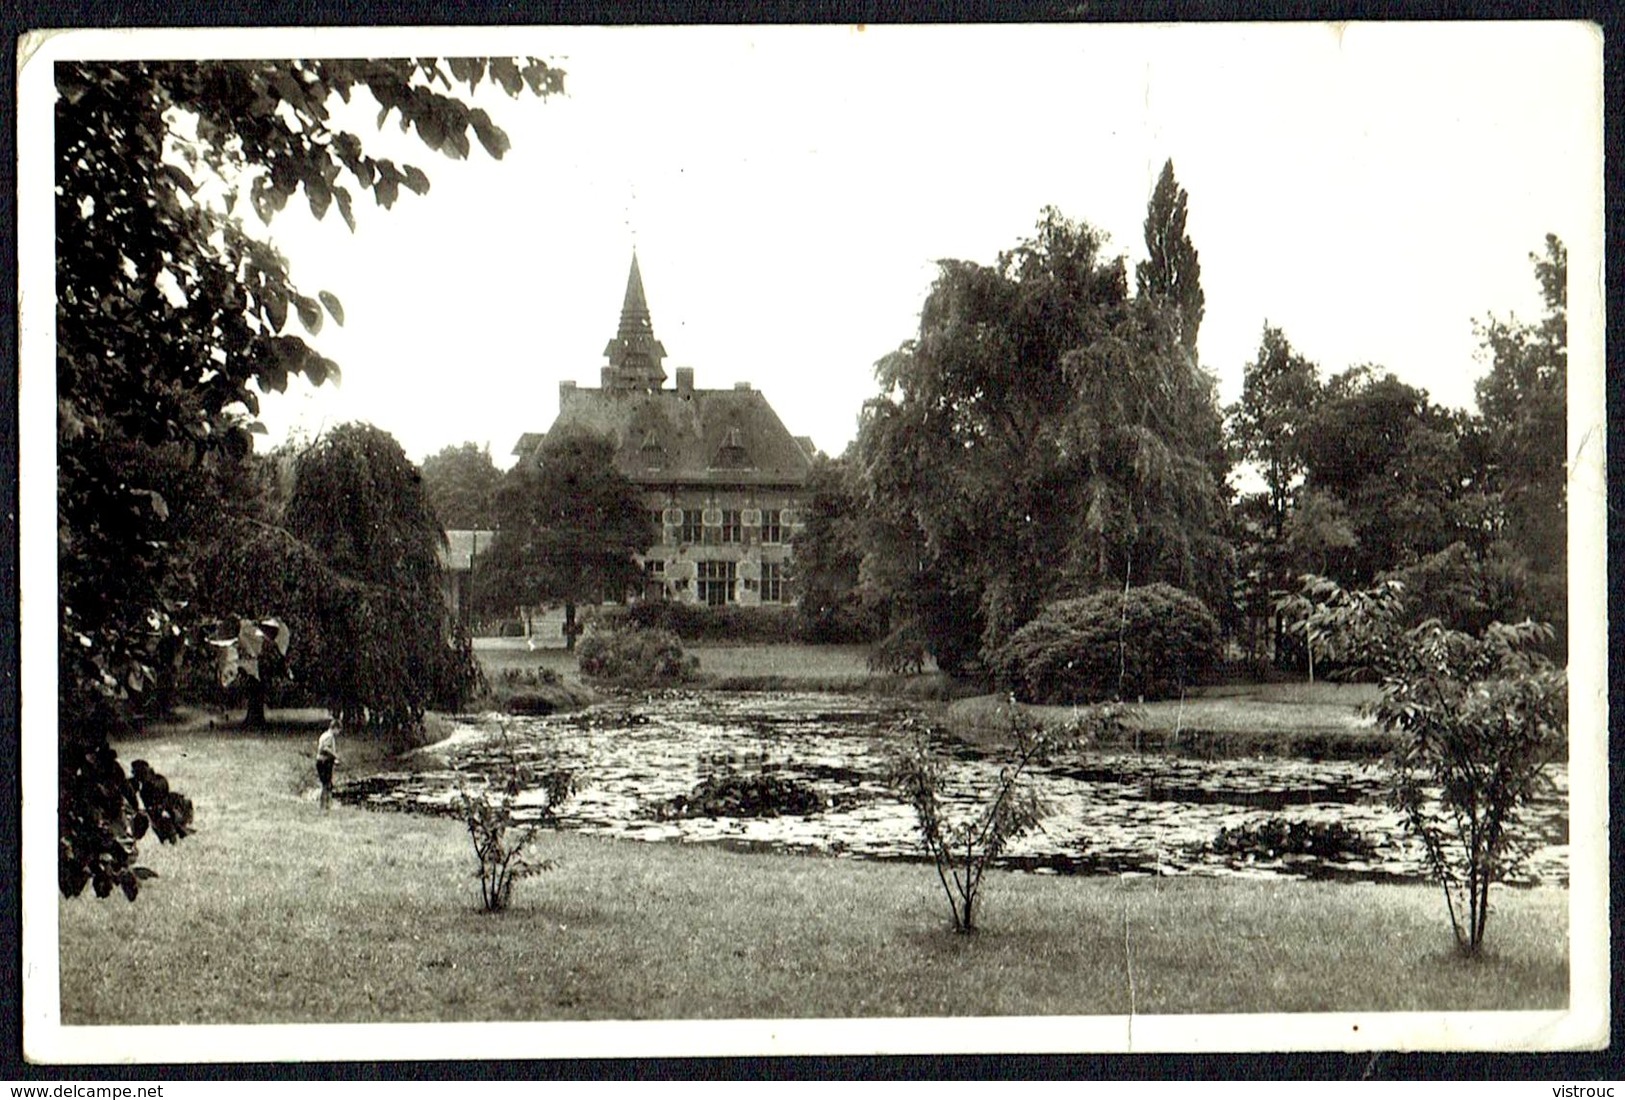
{"type": "Point", "coordinates": [1367, 479]}
{"type": "Point", "coordinates": [1048, 435]}
{"type": "Point", "coordinates": [345, 550]}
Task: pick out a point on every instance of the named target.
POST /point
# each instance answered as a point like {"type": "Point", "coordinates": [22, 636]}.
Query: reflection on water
{"type": "Point", "coordinates": [1112, 811]}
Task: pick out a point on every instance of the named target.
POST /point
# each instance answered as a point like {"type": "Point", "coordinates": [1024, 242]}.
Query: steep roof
{"type": "Point", "coordinates": [462, 547]}
{"type": "Point", "coordinates": [676, 436]}
{"type": "Point", "coordinates": [690, 436]}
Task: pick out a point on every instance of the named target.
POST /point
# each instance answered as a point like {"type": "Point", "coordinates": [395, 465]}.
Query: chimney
{"type": "Point", "coordinates": [745, 386]}
{"type": "Point", "coordinates": [567, 391]}
{"type": "Point", "coordinates": [685, 381]}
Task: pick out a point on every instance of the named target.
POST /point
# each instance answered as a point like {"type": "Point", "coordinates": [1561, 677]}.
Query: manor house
{"type": "Point", "coordinates": [721, 476]}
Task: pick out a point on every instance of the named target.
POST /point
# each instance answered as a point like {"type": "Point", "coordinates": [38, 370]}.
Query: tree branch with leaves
{"type": "Point", "coordinates": [170, 326]}
{"type": "Point", "coordinates": [1478, 719]}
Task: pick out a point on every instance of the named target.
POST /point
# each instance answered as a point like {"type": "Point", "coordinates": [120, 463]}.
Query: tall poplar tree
{"type": "Point", "coordinates": [1172, 271]}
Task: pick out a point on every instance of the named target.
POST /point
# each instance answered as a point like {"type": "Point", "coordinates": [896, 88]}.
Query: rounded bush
{"type": "Point", "coordinates": [635, 657]}
{"type": "Point", "coordinates": [1143, 642]}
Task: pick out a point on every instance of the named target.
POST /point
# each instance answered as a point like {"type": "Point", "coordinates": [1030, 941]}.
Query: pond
{"type": "Point", "coordinates": [1111, 811]}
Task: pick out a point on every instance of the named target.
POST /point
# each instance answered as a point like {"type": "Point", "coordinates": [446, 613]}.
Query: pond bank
{"type": "Point", "coordinates": [1114, 809]}
{"type": "Point", "coordinates": [1289, 720]}
{"type": "Point", "coordinates": [1318, 720]}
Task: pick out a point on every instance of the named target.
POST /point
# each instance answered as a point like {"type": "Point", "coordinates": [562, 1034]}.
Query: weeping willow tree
{"type": "Point", "coordinates": [1046, 434]}
{"type": "Point", "coordinates": [350, 562]}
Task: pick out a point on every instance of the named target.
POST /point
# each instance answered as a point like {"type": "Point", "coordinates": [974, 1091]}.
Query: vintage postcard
{"type": "Point", "coordinates": [660, 541]}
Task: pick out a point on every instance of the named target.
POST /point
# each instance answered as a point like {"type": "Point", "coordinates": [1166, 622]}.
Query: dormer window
{"type": "Point", "coordinates": [650, 449]}
{"type": "Point", "coordinates": [731, 454]}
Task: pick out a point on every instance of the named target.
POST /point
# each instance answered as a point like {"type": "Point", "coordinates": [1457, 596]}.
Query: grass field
{"type": "Point", "coordinates": [275, 912]}
{"type": "Point", "coordinates": [716, 659]}
{"type": "Point", "coordinates": [744, 667]}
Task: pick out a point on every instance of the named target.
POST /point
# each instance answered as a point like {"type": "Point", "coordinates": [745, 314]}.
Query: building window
{"type": "Point", "coordinates": [730, 525]}
{"type": "Point", "coordinates": [772, 582]}
{"type": "Point", "coordinates": [772, 530]}
{"type": "Point", "coordinates": [693, 526]}
{"type": "Point", "coordinates": [654, 579]}
{"type": "Point", "coordinates": [657, 521]}
{"type": "Point", "coordinates": [716, 582]}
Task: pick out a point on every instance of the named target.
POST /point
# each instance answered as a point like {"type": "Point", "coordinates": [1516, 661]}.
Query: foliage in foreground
{"type": "Point", "coordinates": [172, 322]}
{"type": "Point", "coordinates": [500, 843]}
{"type": "Point", "coordinates": [963, 844]}
{"type": "Point", "coordinates": [1148, 642]}
{"type": "Point", "coordinates": [103, 815]}
{"type": "Point", "coordinates": [1479, 717]}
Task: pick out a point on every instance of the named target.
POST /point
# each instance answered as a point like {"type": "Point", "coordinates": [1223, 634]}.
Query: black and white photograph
{"type": "Point", "coordinates": [603, 542]}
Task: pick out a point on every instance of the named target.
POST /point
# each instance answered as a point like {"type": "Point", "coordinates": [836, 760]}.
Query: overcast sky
{"type": "Point", "coordinates": [1371, 190]}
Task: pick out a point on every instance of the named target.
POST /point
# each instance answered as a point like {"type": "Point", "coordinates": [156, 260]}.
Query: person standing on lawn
{"type": "Point", "coordinates": [326, 756]}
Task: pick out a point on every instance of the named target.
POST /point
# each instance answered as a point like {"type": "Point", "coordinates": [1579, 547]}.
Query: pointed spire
{"type": "Point", "coordinates": [634, 354]}
{"type": "Point", "coordinates": [635, 319]}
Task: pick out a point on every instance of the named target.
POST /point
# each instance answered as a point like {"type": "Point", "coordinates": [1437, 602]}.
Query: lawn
{"type": "Point", "coordinates": [716, 659]}
{"type": "Point", "coordinates": [275, 912]}
{"type": "Point", "coordinates": [743, 667]}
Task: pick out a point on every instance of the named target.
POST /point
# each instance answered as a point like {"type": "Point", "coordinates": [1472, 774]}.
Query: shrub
{"type": "Point", "coordinates": [963, 844]}
{"type": "Point", "coordinates": [1148, 642]}
{"type": "Point", "coordinates": [1478, 718]}
{"type": "Point", "coordinates": [540, 676]}
{"type": "Point", "coordinates": [499, 843]}
{"type": "Point", "coordinates": [635, 657]}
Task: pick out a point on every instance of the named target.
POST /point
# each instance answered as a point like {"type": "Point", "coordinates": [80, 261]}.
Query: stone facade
{"type": "Point", "coordinates": [722, 477]}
